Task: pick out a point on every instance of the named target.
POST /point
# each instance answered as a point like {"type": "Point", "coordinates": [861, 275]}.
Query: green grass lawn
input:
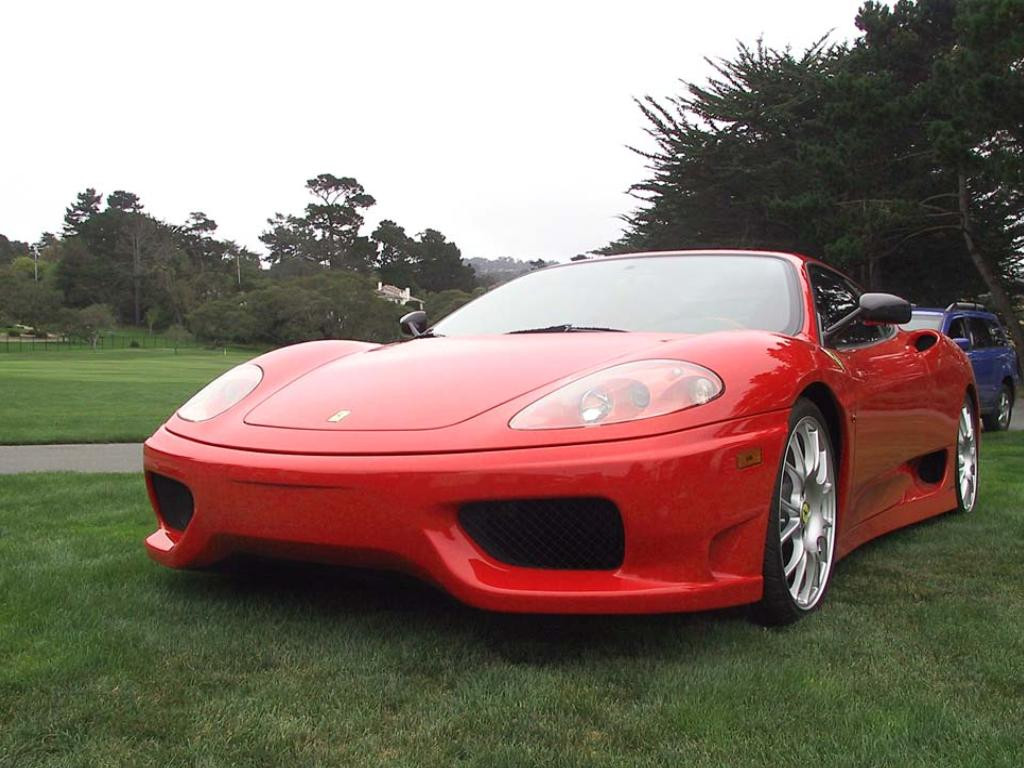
{"type": "Point", "coordinates": [102, 396]}
{"type": "Point", "coordinates": [107, 659]}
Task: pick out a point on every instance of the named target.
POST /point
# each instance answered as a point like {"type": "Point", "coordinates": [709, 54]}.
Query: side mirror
{"type": "Point", "coordinates": [414, 323]}
{"type": "Point", "coordinates": [964, 344]}
{"type": "Point", "coordinates": [873, 308]}
{"type": "Point", "coordinates": [884, 309]}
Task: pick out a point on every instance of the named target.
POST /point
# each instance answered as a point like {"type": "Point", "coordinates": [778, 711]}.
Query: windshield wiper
{"type": "Point", "coordinates": [427, 335]}
{"type": "Point", "coordinates": [569, 328]}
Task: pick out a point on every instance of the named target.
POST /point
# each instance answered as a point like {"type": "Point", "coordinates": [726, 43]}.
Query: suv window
{"type": "Point", "coordinates": [999, 337]}
{"type": "Point", "coordinates": [958, 329]}
{"type": "Point", "coordinates": [834, 298]}
{"type": "Point", "coordinates": [982, 334]}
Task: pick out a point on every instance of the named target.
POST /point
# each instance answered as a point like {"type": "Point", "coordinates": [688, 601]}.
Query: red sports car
{"type": "Point", "coordinates": [653, 432]}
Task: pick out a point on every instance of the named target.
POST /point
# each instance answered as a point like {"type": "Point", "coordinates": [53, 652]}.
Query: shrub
{"type": "Point", "coordinates": [88, 323]}
{"type": "Point", "coordinates": [223, 321]}
{"type": "Point", "coordinates": [177, 334]}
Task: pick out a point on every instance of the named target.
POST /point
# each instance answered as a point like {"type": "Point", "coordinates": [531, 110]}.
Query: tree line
{"type": "Point", "coordinates": [899, 157]}
{"type": "Point", "coordinates": [113, 262]}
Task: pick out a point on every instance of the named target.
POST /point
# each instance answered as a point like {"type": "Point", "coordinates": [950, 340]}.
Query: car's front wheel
{"type": "Point", "coordinates": [800, 545]}
{"type": "Point", "coordinates": [966, 458]}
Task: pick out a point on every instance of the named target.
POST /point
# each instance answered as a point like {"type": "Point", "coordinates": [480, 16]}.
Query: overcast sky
{"type": "Point", "coordinates": [504, 125]}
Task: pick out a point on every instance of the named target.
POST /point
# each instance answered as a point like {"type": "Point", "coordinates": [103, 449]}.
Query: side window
{"type": "Point", "coordinates": [998, 334]}
{"type": "Point", "coordinates": [835, 298]}
{"type": "Point", "coordinates": [958, 329]}
{"type": "Point", "coordinates": [982, 334]}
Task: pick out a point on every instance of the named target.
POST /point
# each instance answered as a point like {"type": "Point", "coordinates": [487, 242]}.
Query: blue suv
{"type": "Point", "coordinates": [987, 344]}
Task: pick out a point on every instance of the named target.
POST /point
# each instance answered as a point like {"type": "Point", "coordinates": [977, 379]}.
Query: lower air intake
{"type": "Point", "coordinates": [565, 534]}
{"type": "Point", "coordinates": [174, 501]}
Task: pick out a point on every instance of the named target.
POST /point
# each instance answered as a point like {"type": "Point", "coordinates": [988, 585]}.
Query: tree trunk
{"type": "Point", "coordinates": [137, 278]}
{"type": "Point", "coordinates": [999, 297]}
{"type": "Point", "coordinates": [874, 273]}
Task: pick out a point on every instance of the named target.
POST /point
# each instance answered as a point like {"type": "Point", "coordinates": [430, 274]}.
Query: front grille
{"type": "Point", "coordinates": [174, 501]}
{"type": "Point", "coordinates": [567, 534]}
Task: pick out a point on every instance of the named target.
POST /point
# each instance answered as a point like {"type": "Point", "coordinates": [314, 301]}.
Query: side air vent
{"type": "Point", "coordinates": [174, 501]}
{"type": "Point", "coordinates": [931, 467]}
{"type": "Point", "coordinates": [926, 341]}
{"type": "Point", "coordinates": [565, 534]}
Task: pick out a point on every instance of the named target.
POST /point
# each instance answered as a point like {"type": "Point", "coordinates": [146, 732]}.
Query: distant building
{"type": "Point", "coordinates": [398, 295]}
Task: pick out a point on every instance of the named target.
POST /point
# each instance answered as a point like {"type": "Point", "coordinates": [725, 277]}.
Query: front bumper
{"type": "Point", "coordinates": [694, 521]}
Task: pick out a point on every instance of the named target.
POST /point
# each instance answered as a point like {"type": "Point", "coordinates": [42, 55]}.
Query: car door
{"type": "Point", "coordinates": [985, 360]}
{"type": "Point", "coordinates": [1006, 357]}
{"type": "Point", "coordinates": [892, 411]}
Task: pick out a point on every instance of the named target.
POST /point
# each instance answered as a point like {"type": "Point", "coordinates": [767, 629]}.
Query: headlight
{"type": "Point", "coordinates": [639, 390]}
{"type": "Point", "coordinates": [222, 393]}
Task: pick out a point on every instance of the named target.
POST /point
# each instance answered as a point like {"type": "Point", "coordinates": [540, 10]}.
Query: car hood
{"type": "Point", "coordinates": [438, 395]}
{"type": "Point", "coordinates": [433, 383]}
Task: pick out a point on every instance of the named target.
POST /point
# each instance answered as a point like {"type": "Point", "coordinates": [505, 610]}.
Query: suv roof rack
{"type": "Point", "coordinates": [966, 305]}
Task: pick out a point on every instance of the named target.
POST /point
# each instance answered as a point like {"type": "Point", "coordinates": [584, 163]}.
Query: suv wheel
{"type": "Point", "coordinates": [999, 419]}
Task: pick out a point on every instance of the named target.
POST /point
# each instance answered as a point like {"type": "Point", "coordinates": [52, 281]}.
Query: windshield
{"type": "Point", "coordinates": [664, 294]}
{"type": "Point", "coordinates": [931, 321]}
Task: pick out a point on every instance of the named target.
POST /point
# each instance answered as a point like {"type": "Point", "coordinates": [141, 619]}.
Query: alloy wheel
{"type": "Point", "coordinates": [807, 512]}
{"type": "Point", "coordinates": [967, 457]}
{"type": "Point", "coordinates": [1004, 409]}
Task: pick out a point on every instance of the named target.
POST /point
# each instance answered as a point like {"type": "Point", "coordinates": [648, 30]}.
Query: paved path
{"type": "Point", "coordinates": [127, 457]}
{"type": "Point", "coordinates": [102, 457]}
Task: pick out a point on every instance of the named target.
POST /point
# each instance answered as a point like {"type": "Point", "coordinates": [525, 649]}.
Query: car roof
{"type": "Point", "coordinates": [711, 252]}
{"type": "Point", "coordinates": [795, 258]}
{"type": "Point", "coordinates": [968, 312]}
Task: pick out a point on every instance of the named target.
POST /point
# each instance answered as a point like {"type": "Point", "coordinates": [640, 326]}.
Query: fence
{"type": "Point", "coordinates": [106, 341]}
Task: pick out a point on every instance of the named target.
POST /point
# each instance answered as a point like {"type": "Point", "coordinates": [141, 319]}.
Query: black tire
{"type": "Point", "coordinates": [777, 605]}
{"type": "Point", "coordinates": [998, 420]}
{"type": "Point", "coordinates": [961, 505]}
